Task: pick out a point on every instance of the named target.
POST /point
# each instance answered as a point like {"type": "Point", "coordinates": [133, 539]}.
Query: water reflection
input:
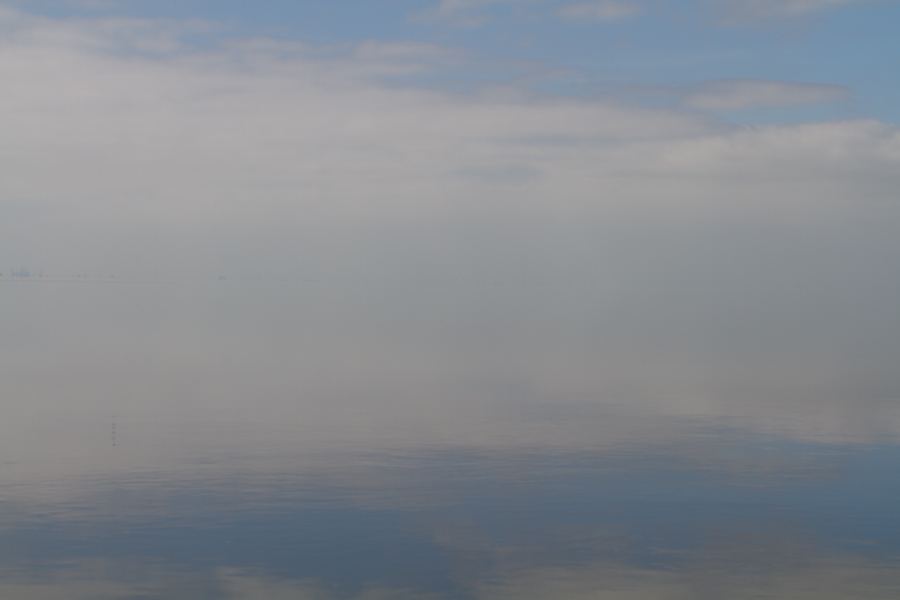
{"type": "Point", "coordinates": [231, 440]}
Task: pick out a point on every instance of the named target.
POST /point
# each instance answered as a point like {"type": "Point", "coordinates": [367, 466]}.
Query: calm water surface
{"type": "Point", "coordinates": [337, 440]}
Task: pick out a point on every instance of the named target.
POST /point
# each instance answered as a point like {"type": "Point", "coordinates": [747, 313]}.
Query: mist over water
{"type": "Point", "coordinates": [449, 299]}
{"type": "Point", "coordinates": [230, 439]}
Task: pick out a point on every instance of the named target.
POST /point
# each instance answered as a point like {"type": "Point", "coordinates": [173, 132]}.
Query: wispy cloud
{"type": "Point", "coordinates": [738, 94]}
{"type": "Point", "coordinates": [179, 134]}
{"type": "Point", "coordinates": [464, 12]}
{"type": "Point", "coordinates": [751, 10]}
{"type": "Point", "coordinates": [96, 4]}
{"type": "Point", "coordinates": [477, 12]}
{"type": "Point", "coordinates": [602, 10]}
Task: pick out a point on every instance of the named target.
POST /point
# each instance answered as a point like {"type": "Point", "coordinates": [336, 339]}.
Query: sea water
{"type": "Point", "coordinates": [442, 440]}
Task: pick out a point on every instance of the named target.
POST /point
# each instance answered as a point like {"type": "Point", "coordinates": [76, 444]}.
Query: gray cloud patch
{"type": "Point", "coordinates": [515, 174]}
{"type": "Point", "coordinates": [738, 94]}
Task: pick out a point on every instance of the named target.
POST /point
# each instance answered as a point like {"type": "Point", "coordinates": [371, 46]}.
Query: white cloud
{"type": "Point", "coordinates": [738, 94]}
{"type": "Point", "coordinates": [95, 137]}
{"type": "Point", "coordinates": [602, 10]}
{"type": "Point", "coordinates": [182, 134]}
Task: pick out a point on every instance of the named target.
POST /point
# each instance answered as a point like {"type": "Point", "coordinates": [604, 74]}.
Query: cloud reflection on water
{"type": "Point", "coordinates": [493, 437]}
{"type": "Point", "coordinates": [834, 577]}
